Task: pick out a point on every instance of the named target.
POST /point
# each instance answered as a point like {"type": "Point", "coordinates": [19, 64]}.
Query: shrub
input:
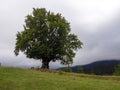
{"type": "Point", "coordinates": [68, 69]}
{"type": "Point", "coordinates": [60, 72]}
{"type": "Point", "coordinates": [117, 70]}
{"type": "Point", "coordinates": [80, 70]}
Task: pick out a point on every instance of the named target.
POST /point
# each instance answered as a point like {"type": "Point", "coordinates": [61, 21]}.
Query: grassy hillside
{"type": "Point", "coordinates": [24, 79]}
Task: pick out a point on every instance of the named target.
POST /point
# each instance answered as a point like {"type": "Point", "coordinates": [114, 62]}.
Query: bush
{"type": "Point", "coordinates": [68, 69]}
{"type": "Point", "coordinates": [117, 70]}
{"type": "Point", "coordinates": [60, 72]}
{"type": "Point", "coordinates": [80, 70]}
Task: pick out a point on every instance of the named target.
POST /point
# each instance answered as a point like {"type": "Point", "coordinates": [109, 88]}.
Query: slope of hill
{"type": "Point", "coordinates": [102, 67]}
{"type": "Point", "coordinates": [24, 79]}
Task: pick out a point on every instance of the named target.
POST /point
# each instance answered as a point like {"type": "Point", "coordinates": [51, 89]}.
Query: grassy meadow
{"type": "Point", "coordinates": [26, 79]}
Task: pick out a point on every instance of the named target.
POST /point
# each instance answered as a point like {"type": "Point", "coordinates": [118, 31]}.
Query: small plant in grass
{"type": "Point", "coordinates": [60, 72]}
{"type": "Point", "coordinates": [80, 70]}
{"type": "Point", "coordinates": [68, 69]}
{"type": "Point", "coordinates": [67, 62]}
{"type": "Point", "coordinates": [117, 70]}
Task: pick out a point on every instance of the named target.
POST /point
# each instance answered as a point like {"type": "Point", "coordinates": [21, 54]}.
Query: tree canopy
{"type": "Point", "coordinates": [46, 36]}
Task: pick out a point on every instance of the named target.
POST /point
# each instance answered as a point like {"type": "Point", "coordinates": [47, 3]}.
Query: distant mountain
{"type": "Point", "coordinates": [102, 67]}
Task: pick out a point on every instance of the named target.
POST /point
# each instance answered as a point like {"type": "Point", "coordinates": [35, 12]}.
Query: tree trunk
{"type": "Point", "coordinates": [45, 64]}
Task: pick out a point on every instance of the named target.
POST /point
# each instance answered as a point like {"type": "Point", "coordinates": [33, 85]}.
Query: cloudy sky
{"type": "Point", "coordinates": [96, 22]}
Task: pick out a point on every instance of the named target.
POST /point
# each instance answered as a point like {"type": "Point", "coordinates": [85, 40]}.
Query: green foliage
{"type": "Point", "coordinates": [47, 37]}
{"type": "Point", "coordinates": [117, 70]}
{"type": "Point", "coordinates": [60, 72]}
{"type": "Point", "coordinates": [80, 70]}
{"type": "Point", "coordinates": [68, 69]}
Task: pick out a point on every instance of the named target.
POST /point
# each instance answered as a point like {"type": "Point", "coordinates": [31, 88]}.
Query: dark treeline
{"type": "Point", "coordinates": [104, 67]}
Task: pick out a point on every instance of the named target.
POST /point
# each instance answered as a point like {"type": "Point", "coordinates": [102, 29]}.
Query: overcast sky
{"type": "Point", "coordinates": [96, 22]}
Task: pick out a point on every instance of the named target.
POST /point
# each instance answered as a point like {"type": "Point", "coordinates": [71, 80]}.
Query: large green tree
{"type": "Point", "coordinates": [46, 36]}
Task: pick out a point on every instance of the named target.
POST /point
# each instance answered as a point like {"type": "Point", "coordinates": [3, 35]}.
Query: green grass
{"type": "Point", "coordinates": [25, 79]}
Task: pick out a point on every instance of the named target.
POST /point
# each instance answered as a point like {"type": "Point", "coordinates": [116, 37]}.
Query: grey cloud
{"type": "Point", "coordinates": [104, 44]}
{"type": "Point", "coordinates": [101, 43]}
